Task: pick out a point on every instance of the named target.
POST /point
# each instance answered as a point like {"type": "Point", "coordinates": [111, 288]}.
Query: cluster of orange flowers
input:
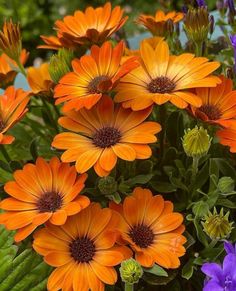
{"type": "Point", "coordinates": [107, 99]}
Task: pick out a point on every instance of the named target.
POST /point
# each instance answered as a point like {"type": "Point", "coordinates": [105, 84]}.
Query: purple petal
{"type": "Point", "coordinates": [229, 265]}
{"type": "Point", "coordinates": [213, 270]}
{"type": "Point", "coordinates": [229, 248]}
{"type": "Point", "coordinates": [213, 285]}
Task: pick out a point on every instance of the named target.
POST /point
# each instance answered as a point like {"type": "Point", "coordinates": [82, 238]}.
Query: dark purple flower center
{"type": "Point", "coordinates": [49, 202]}
{"type": "Point", "coordinates": [211, 111]}
{"type": "Point", "coordinates": [161, 85]}
{"type": "Point", "coordinates": [82, 249]}
{"type": "Point", "coordinates": [93, 85]}
{"type": "Point", "coordinates": [142, 235]}
{"type": "Point", "coordinates": [106, 137]}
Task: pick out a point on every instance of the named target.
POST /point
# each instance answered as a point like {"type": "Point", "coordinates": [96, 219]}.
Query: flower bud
{"type": "Point", "coordinates": [197, 24]}
{"type": "Point", "coordinates": [107, 185]}
{"type": "Point", "coordinates": [217, 225]}
{"type": "Point", "coordinates": [196, 142]}
{"type": "Point", "coordinates": [226, 185]}
{"type": "Point", "coordinates": [60, 64]}
{"type": "Point", "coordinates": [10, 40]}
{"type": "Point", "coordinates": [130, 271]}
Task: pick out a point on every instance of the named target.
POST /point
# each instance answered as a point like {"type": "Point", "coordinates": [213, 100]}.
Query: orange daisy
{"type": "Point", "coordinates": [93, 26]}
{"type": "Point", "coordinates": [82, 250]}
{"type": "Point", "coordinates": [152, 229]}
{"type": "Point", "coordinates": [8, 68]}
{"type": "Point", "coordinates": [42, 192]}
{"type": "Point", "coordinates": [218, 104]}
{"type": "Point", "coordinates": [157, 24]}
{"type": "Point", "coordinates": [39, 80]}
{"type": "Point", "coordinates": [93, 76]}
{"type": "Point", "coordinates": [227, 137]}
{"type": "Point", "coordinates": [162, 78]}
{"type": "Point", "coordinates": [13, 104]}
{"type": "Point", "coordinates": [103, 134]}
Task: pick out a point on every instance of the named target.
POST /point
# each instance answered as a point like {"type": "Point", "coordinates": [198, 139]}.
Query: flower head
{"type": "Point", "coordinates": [227, 137]}
{"type": "Point", "coordinates": [130, 271]}
{"type": "Point", "coordinates": [107, 185]}
{"type": "Point", "coordinates": [10, 40]}
{"type": "Point", "coordinates": [103, 134]}
{"type": "Point", "coordinates": [83, 250]}
{"type": "Point", "coordinates": [196, 142]}
{"type": "Point", "coordinates": [151, 229]}
{"type": "Point", "coordinates": [93, 26]}
{"type": "Point", "coordinates": [162, 78]}
{"type": "Point", "coordinates": [8, 68]}
{"type": "Point", "coordinates": [161, 24]}
{"type": "Point", "coordinates": [40, 80]}
{"type": "Point", "coordinates": [93, 76]}
{"type": "Point", "coordinates": [218, 104]}
{"type": "Point", "coordinates": [42, 192]}
{"type": "Point", "coordinates": [13, 104]}
{"type": "Point", "coordinates": [220, 278]}
{"type": "Point", "coordinates": [217, 225]}
{"type": "Point", "coordinates": [229, 248]}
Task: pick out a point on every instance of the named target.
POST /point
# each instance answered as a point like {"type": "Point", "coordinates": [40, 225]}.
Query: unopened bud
{"type": "Point", "coordinates": [107, 185]}
{"type": "Point", "coordinates": [130, 271]}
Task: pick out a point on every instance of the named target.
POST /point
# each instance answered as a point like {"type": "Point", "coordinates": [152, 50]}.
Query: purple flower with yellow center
{"type": "Point", "coordinates": [233, 42]}
{"type": "Point", "coordinates": [221, 277]}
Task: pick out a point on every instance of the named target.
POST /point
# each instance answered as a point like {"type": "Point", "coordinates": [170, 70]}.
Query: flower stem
{"type": "Point", "coordinates": [194, 168]}
{"type": "Point", "coordinates": [129, 287]}
{"type": "Point", "coordinates": [21, 67]}
{"type": "Point", "coordinates": [5, 153]}
{"type": "Point", "coordinates": [163, 112]}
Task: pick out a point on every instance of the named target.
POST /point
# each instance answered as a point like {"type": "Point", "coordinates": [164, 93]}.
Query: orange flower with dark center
{"type": "Point", "coordinates": [158, 24]}
{"type": "Point", "coordinates": [93, 76]}
{"type": "Point", "coordinates": [83, 250]}
{"type": "Point", "coordinates": [93, 26]}
{"type": "Point", "coordinates": [42, 192]}
{"type": "Point", "coordinates": [13, 104]}
{"type": "Point", "coordinates": [39, 80]}
{"type": "Point", "coordinates": [151, 229]}
{"type": "Point", "coordinates": [8, 68]}
{"type": "Point", "coordinates": [218, 104]}
{"type": "Point", "coordinates": [227, 137]}
{"type": "Point", "coordinates": [103, 134]}
{"type": "Point", "coordinates": [10, 40]}
{"type": "Point", "coordinates": [162, 78]}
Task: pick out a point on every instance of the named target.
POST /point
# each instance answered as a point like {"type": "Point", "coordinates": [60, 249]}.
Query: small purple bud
{"type": "Point", "coordinates": [212, 24]}
{"type": "Point", "coordinates": [233, 42]}
{"type": "Point", "coordinates": [201, 3]}
{"type": "Point", "coordinates": [184, 9]}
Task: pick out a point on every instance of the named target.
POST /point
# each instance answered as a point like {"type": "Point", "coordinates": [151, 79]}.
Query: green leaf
{"type": "Point", "coordinates": [6, 237]}
{"type": "Point", "coordinates": [156, 270]}
{"type": "Point", "coordinates": [226, 203]}
{"type": "Point", "coordinates": [163, 187]}
{"type": "Point", "coordinates": [34, 149]}
{"type": "Point", "coordinates": [200, 208]}
{"type": "Point", "coordinates": [188, 269]}
{"type": "Point", "coordinates": [140, 179]}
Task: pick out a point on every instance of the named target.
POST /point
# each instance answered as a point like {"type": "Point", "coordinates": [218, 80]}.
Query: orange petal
{"type": "Point", "coordinates": [59, 217]}
{"type": "Point", "coordinates": [57, 259]}
{"type": "Point", "coordinates": [107, 275]}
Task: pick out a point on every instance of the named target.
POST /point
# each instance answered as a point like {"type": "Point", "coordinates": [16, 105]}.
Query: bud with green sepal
{"type": "Point", "coordinates": [130, 272]}
{"type": "Point", "coordinates": [226, 186]}
{"type": "Point", "coordinates": [216, 225]}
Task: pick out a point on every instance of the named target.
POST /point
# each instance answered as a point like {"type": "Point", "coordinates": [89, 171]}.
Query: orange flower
{"type": "Point", "coordinates": [158, 25]}
{"type": "Point", "coordinates": [42, 192]}
{"type": "Point", "coordinates": [93, 26]}
{"type": "Point", "coordinates": [10, 40]}
{"type": "Point", "coordinates": [39, 80]}
{"type": "Point", "coordinates": [218, 104]}
{"type": "Point", "coordinates": [227, 137]}
{"type": "Point", "coordinates": [152, 229]}
{"type": "Point", "coordinates": [93, 75]}
{"type": "Point", "coordinates": [83, 250]}
{"type": "Point", "coordinates": [13, 104]}
{"type": "Point", "coordinates": [102, 134]}
{"type": "Point", "coordinates": [162, 78]}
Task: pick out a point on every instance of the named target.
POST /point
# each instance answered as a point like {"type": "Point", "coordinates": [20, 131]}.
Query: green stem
{"type": "Point", "coordinates": [198, 49]}
{"type": "Point", "coordinates": [163, 112]}
{"type": "Point", "coordinates": [129, 287]}
{"type": "Point", "coordinates": [21, 68]}
{"type": "Point", "coordinates": [195, 169]}
{"type": "Point", "coordinates": [5, 153]}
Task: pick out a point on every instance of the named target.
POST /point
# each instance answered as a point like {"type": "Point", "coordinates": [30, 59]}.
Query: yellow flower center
{"type": "Point", "coordinates": [161, 85]}
{"type": "Point", "coordinates": [82, 249]}
{"type": "Point", "coordinates": [49, 202]}
{"type": "Point", "coordinates": [142, 235]}
{"type": "Point", "coordinates": [106, 137]}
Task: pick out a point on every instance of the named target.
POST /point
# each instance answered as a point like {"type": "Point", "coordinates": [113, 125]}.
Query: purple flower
{"type": "Point", "coordinates": [221, 278]}
{"type": "Point", "coordinates": [229, 248]}
{"type": "Point", "coordinates": [230, 4]}
{"type": "Point", "coordinates": [233, 42]}
{"type": "Point", "coordinates": [201, 3]}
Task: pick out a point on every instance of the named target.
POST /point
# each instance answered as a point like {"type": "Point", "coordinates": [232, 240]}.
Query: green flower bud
{"type": "Point", "coordinates": [130, 271]}
{"type": "Point", "coordinates": [107, 185]}
{"type": "Point", "coordinates": [196, 142]}
{"type": "Point", "coordinates": [60, 64]}
{"type": "Point", "coordinates": [197, 24]}
{"type": "Point", "coordinates": [217, 225]}
{"type": "Point", "coordinates": [226, 185]}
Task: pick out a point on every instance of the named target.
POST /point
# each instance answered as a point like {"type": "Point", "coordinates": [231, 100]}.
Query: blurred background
{"type": "Point", "coordinates": [38, 16]}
